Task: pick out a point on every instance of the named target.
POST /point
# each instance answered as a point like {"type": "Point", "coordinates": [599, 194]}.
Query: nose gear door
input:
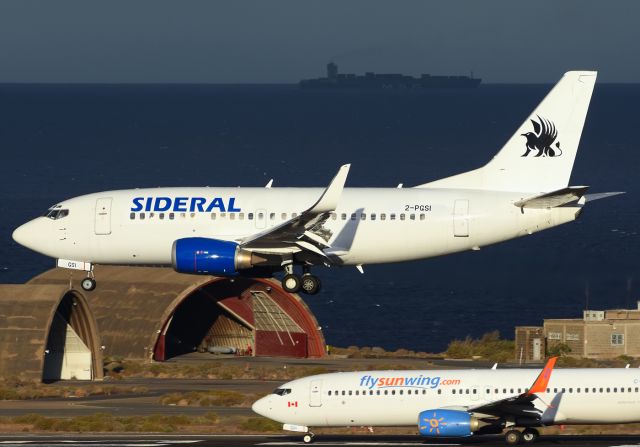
{"type": "Point", "coordinates": [103, 216]}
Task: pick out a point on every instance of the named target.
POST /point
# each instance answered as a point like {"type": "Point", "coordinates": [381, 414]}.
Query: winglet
{"type": "Point", "coordinates": [328, 201]}
{"type": "Point", "coordinates": [540, 385]}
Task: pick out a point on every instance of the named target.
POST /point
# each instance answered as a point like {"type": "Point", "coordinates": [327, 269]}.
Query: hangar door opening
{"type": "Point", "coordinates": [68, 354]}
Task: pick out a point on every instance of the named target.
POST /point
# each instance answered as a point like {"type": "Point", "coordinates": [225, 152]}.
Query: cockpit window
{"type": "Point", "coordinates": [282, 391]}
{"type": "Point", "coordinates": [56, 213]}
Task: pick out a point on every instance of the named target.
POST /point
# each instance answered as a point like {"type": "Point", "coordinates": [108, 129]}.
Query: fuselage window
{"type": "Point", "coordinates": [353, 216]}
{"type": "Point", "coordinates": [343, 216]}
{"type": "Point", "coordinates": [475, 391]}
{"type": "Point", "coordinates": [260, 215]}
{"type": "Point", "coordinates": [636, 389]}
{"type": "Point", "coordinates": [408, 391]}
{"type": "Point", "coordinates": [294, 215]}
{"type": "Point", "coordinates": [504, 391]}
{"type": "Point", "coordinates": [563, 390]}
{"type": "Point", "coordinates": [425, 391]}
{"type": "Point", "coordinates": [412, 216]}
{"type": "Point", "coordinates": [622, 389]}
{"type": "Point", "coordinates": [466, 391]}
{"type": "Point", "coordinates": [370, 392]}
{"type": "Point", "coordinates": [386, 392]}
{"type": "Point", "coordinates": [223, 215]}
{"type": "Point", "coordinates": [401, 392]}
{"type": "Point", "coordinates": [141, 216]}
{"type": "Point", "coordinates": [373, 216]}
{"type": "Point", "coordinates": [392, 216]}
{"type": "Point", "coordinates": [615, 390]}
{"type": "Point", "coordinates": [333, 216]}
{"type": "Point", "coordinates": [488, 391]}
{"type": "Point", "coordinates": [608, 390]}
{"type": "Point", "coordinates": [402, 216]}
{"type": "Point", "coordinates": [343, 392]}
{"type": "Point", "coordinates": [132, 216]}
{"type": "Point", "coordinates": [511, 390]}
{"type": "Point", "coordinates": [350, 392]}
{"type": "Point", "coordinates": [232, 216]}
{"type": "Point", "coordinates": [577, 390]}
{"type": "Point", "coordinates": [193, 215]}
{"type": "Point", "coordinates": [383, 216]}
{"type": "Point", "coordinates": [548, 390]}
{"type": "Point", "coordinates": [519, 391]}
{"type": "Point", "coordinates": [453, 391]}
{"type": "Point", "coordinates": [329, 392]}
{"type": "Point", "coordinates": [272, 216]}
{"type": "Point", "coordinates": [496, 391]}
{"type": "Point", "coordinates": [440, 391]}
{"type": "Point", "coordinates": [213, 216]}
{"type": "Point", "coordinates": [161, 216]}
{"type": "Point", "coordinates": [393, 392]}
{"type": "Point", "coordinates": [378, 392]}
{"type": "Point", "coordinates": [250, 216]}
{"type": "Point", "coordinates": [241, 216]}
{"type": "Point", "coordinates": [422, 216]}
{"type": "Point", "coordinates": [172, 216]}
{"type": "Point", "coordinates": [357, 393]}
{"type": "Point", "coordinates": [151, 215]}
{"type": "Point", "coordinates": [55, 214]}
{"type": "Point", "coordinates": [283, 216]}
{"type": "Point", "coordinates": [571, 390]}
{"type": "Point", "coordinates": [602, 390]}
{"type": "Point", "coordinates": [183, 215]}
{"type": "Point", "coordinates": [363, 216]}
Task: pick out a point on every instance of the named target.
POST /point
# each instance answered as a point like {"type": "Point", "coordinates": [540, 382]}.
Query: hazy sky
{"type": "Point", "coordinates": [283, 41]}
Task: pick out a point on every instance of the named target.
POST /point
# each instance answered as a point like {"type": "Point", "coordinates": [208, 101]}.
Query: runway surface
{"type": "Point", "coordinates": [328, 440]}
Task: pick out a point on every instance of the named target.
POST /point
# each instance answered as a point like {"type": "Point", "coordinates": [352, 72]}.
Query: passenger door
{"type": "Point", "coordinates": [461, 218]}
{"type": "Point", "coordinates": [103, 216]}
{"type": "Point", "coordinates": [315, 393]}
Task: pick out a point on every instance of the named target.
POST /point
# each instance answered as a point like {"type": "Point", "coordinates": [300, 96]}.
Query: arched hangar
{"type": "Point", "coordinates": [48, 332]}
{"type": "Point", "coordinates": [156, 313]}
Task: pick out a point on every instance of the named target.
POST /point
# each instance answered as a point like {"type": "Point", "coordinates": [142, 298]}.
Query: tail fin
{"type": "Point", "coordinates": [540, 155]}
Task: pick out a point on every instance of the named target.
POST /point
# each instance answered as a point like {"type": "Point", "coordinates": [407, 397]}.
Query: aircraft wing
{"type": "Point", "coordinates": [519, 405]}
{"type": "Point", "coordinates": [305, 231]}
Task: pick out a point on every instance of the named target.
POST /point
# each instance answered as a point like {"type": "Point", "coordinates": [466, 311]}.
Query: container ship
{"type": "Point", "coordinates": [370, 80]}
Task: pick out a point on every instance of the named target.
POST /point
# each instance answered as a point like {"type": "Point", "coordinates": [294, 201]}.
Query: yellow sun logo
{"type": "Point", "coordinates": [434, 424]}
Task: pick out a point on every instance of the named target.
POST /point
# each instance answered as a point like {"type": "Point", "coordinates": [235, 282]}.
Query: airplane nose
{"type": "Point", "coordinates": [261, 406]}
{"type": "Point", "coordinates": [30, 235]}
{"type": "Point", "coordinates": [20, 234]}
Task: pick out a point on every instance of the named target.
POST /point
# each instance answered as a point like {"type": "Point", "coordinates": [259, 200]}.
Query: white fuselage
{"type": "Point", "coordinates": [573, 396]}
{"type": "Point", "coordinates": [370, 225]}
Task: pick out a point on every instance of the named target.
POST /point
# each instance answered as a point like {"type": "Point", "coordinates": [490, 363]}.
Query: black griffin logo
{"type": "Point", "coordinates": [542, 138]}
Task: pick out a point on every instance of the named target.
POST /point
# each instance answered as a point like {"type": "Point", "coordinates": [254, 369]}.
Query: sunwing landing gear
{"type": "Point", "coordinates": [292, 283]}
{"type": "Point", "coordinates": [308, 438]}
{"type": "Point", "coordinates": [528, 435]}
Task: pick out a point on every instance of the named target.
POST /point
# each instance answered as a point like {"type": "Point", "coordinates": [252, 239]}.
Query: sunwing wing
{"type": "Point", "coordinates": [304, 231]}
{"type": "Point", "coordinates": [522, 404]}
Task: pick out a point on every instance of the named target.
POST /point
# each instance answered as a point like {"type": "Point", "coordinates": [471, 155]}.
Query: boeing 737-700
{"type": "Point", "coordinates": [259, 231]}
{"type": "Point", "coordinates": [457, 403]}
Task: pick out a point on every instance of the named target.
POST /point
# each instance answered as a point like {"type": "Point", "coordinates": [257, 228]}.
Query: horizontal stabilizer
{"type": "Point", "coordinates": [554, 198]}
{"type": "Point", "coordinates": [602, 195]}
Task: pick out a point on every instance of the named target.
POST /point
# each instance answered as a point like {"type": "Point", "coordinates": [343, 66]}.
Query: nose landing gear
{"type": "Point", "coordinates": [308, 438]}
{"type": "Point", "coordinates": [89, 283]}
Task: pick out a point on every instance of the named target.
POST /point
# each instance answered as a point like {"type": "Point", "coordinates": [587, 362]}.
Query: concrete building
{"type": "Point", "coordinates": [50, 329]}
{"type": "Point", "coordinates": [599, 334]}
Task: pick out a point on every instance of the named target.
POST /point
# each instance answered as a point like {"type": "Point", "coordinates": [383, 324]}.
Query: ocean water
{"type": "Point", "coordinates": [59, 141]}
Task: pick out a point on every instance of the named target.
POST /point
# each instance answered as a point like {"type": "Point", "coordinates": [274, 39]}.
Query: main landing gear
{"type": "Point", "coordinates": [308, 438]}
{"type": "Point", "coordinates": [308, 283]}
{"type": "Point", "coordinates": [528, 435]}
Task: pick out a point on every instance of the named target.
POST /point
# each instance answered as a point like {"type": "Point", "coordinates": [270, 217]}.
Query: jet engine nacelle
{"type": "Point", "coordinates": [205, 256]}
{"type": "Point", "coordinates": [447, 423]}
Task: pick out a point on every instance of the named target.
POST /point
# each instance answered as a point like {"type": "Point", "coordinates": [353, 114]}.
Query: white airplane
{"type": "Point", "coordinates": [258, 231]}
{"type": "Point", "coordinates": [457, 403]}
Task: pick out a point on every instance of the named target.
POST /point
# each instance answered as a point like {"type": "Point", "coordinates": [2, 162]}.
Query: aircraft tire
{"type": "Point", "coordinates": [310, 284]}
{"type": "Point", "coordinates": [530, 435]}
{"type": "Point", "coordinates": [88, 284]}
{"type": "Point", "coordinates": [513, 437]}
{"type": "Point", "coordinates": [308, 438]}
{"type": "Point", "coordinates": [291, 283]}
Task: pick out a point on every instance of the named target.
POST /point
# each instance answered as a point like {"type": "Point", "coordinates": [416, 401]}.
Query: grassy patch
{"type": "Point", "coordinates": [16, 390]}
{"type": "Point", "coordinates": [490, 347]}
{"type": "Point", "coordinates": [212, 398]}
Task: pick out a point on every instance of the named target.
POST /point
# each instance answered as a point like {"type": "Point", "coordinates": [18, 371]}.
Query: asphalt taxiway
{"type": "Point", "coordinates": [286, 440]}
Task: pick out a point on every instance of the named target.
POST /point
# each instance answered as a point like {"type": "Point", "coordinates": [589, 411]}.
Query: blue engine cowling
{"type": "Point", "coordinates": [446, 423]}
{"type": "Point", "coordinates": [205, 256]}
